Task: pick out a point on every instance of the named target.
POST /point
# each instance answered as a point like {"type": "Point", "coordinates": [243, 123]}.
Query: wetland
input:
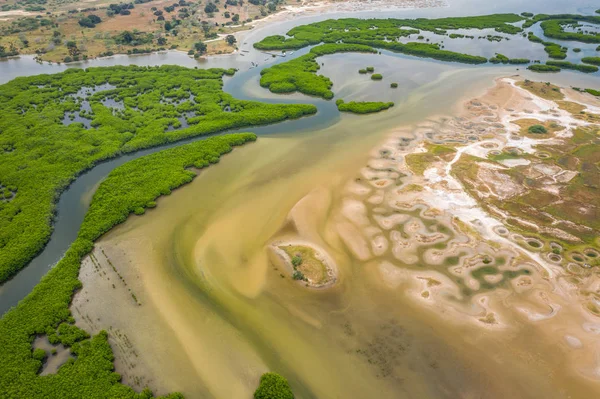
{"type": "Point", "coordinates": [445, 247]}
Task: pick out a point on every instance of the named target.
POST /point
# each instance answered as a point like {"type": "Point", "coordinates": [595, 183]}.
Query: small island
{"type": "Point", "coordinates": [307, 263]}
{"type": "Point", "coordinates": [363, 107]}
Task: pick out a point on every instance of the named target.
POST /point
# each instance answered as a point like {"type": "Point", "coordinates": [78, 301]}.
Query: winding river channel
{"type": "Point", "coordinates": [198, 266]}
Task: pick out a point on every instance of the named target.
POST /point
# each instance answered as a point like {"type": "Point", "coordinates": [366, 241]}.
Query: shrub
{"type": "Point", "coordinates": [370, 69]}
{"type": "Point", "coordinates": [296, 261]}
{"type": "Point", "coordinates": [298, 275]}
{"type": "Point", "coordinates": [362, 71]}
{"type": "Point", "coordinates": [376, 76]}
{"type": "Point", "coordinates": [537, 129]}
{"type": "Point", "coordinates": [273, 386]}
{"type": "Point", "coordinates": [394, 85]}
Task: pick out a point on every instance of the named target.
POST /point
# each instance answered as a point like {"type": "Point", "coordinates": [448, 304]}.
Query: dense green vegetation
{"type": "Point", "coordinates": [273, 386]}
{"type": "Point", "coordinates": [53, 127]}
{"type": "Point", "coordinates": [300, 75]}
{"type": "Point", "coordinates": [363, 107]}
{"type": "Point", "coordinates": [543, 68]}
{"type": "Point", "coordinates": [577, 67]}
{"type": "Point", "coordinates": [376, 76]}
{"type": "Point", "coordinates": [384, 33]}
{"type": "Point", "coordinates": [591, 60]}
{"type": "Point", "coordinates": [353, 30]}
{"type": "Point", "coordinates": [129, 188]}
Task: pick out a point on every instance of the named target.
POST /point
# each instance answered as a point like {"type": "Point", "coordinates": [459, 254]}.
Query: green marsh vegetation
{"type": "Point", "coordinates": [363, 107]}
{"type": "Point", "coordinates": [353, 30]}
{"type": "Point", "coordinates": [128, 188]}
{"type": "Point", "coordinates": [300, 75]}
{"type": "Point", "coordinates": [42, 150]}
{"type": "Point", "coordinates": [591, 60]}
{"type": "Point", "coordinates": [543, 68]}
{"type": "Point", "coordinates": [578, 67]}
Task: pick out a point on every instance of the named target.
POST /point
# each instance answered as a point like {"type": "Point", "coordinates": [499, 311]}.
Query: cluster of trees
{"type": "Point", "coordinates": [46, 309]}
{"type": "Point", "coordinates": [363, 107]}
{"type": "Point", "coordinates": [120, 9]}
{"type": "Point", "coordinates": [273, 386]}
{"type": "Point", "coordinates": [300, 75]}
{"type": "Point", "coordinates": [134, 38]}
{"type": "Point", "coordinates": [90, 21]}
{"type": "Point", "coordinates": [46, 155]}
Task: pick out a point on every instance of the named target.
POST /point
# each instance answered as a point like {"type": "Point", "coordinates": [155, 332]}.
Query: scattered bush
{"type": "Point", "coordinates": [394, 85]}
{"type": "Point", "coordinates": [376, 76]}
{"type": "Point", "coordinates": [370, 69]}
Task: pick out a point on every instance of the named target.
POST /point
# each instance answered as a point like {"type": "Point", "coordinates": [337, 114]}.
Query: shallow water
{"type": "Point", "coordinates": [199, 267]}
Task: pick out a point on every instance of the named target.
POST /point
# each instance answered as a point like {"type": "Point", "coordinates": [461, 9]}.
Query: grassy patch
{"type": "Point", "coordinates": [419, 162]}
{"type": "Point", "coordinates": [544, 90]}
